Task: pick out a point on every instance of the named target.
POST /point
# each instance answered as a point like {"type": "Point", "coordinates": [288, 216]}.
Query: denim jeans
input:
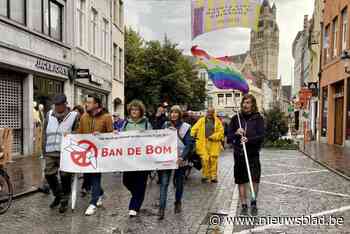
{"type": "Point", "coordinates": [179, 176]}
{"type": "Point", "coordinates": [96, 189]}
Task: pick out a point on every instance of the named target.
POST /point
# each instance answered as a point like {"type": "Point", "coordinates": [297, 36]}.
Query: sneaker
{"type": "Point", "coordinates": [91, 210]}
{"type": "Point", "coordinates": [214, 181]}
{"type": "Point", "coordinates": [132, 213]}
{"type": "Point", "coordinates": [55, 202]}
{"type": "Point", "coordinates": [244, 210]}
{"type": "Point", "coordinates": [100, 201]}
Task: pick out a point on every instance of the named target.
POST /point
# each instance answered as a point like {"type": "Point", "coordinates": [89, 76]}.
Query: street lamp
{"type": "Point", "coordinates": [346, 57]}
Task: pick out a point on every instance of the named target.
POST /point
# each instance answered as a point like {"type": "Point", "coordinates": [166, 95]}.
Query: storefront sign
{"type": "Point", "coordinates": [304, 96]}
{"type": "Point", "coordinates": [96, 80]}
{"type": "Point", "coordinates": [125, 151]}
{"type": "Point", "coordinates": [51, 67]}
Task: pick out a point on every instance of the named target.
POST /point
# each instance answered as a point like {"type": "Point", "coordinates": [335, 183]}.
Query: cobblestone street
{"type": "Point", "coordinates": [291, 185]}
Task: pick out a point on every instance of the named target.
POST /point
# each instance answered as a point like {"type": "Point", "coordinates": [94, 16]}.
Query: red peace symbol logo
{"type": "Point", "coordinates": [80, 158]}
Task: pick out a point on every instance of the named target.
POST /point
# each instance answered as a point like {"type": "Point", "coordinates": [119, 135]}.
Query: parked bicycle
{"type": "Point", "coordinates": [6, 191]}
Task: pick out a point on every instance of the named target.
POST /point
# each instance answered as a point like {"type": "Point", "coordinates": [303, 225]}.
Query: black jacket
{"type": "Point", "coordinates": [159, 121]}
{"type": "Point", "coordinates": [255, 131]}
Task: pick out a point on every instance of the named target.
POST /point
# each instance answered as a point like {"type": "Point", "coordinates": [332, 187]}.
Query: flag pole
{"type": "Point", "coordinates": [246, 156]}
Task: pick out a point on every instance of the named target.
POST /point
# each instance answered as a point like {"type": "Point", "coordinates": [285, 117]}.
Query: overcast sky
{"type": "Point", "coordinates": [155, 18]}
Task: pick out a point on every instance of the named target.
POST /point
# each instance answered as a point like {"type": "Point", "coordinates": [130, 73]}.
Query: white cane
{"type": "Point", "coordinates": [74, 191]}
{"type": "Point", "coordinates": [246, 158]}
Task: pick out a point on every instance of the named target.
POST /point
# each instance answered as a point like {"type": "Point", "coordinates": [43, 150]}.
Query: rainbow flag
{"type": "Point", "coordinates": [211, 15]}
{"type": "Point", "coordinates": [223, 74]}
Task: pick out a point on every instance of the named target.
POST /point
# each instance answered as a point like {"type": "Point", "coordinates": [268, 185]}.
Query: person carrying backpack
{"type": "Point", "coordinates": [185, 144]}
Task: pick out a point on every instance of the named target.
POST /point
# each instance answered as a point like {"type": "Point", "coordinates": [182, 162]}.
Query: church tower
{"type": "Point", "coordinates": [264, 44]}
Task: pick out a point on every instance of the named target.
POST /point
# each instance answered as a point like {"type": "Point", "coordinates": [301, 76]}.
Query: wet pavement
{"type": "Point", "coordinates": [25, 174]}
{"type": "Point", "coordinates": [335, 157]}
{"type": "Point", "coordinates": [291, 185]}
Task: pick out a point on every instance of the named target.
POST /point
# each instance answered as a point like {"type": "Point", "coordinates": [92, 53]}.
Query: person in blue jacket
{"type": "Point", "coordinates": [185, 145]}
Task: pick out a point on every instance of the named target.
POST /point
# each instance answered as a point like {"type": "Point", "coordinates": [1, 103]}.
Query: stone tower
{"type": "Point", "coordinates": [264, 44]}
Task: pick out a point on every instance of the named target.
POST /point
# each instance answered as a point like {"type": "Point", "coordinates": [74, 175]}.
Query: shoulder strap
{"type": "Point", "coordinates": [126, 122]}
{"type": "Point", "coordinates": [182, 131]}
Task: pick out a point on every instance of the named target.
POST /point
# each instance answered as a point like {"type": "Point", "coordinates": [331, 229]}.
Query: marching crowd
{"type": "Point", "coordinates": [203, 137]}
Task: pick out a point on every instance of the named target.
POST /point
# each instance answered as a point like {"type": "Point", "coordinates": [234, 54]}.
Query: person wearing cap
{"type": "Point", "coordinates": [59, 121]}
{"type": "Point", "coordinates": [209, 133]}
{"type": "Point", "coordinates": [160, 117]}
{"type": "Point", "coordinates": [94, 121]}
{"type": "Point", "coordinates": [185, 145]}
{"type": "Point", "coordinates": [117, 122]}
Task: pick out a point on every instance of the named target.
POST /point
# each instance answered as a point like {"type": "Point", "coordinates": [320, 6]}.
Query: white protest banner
{"type": "Point", "coordinates": [125, 151]}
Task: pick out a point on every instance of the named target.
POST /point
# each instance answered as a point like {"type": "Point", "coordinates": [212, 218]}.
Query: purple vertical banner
{"type": "Point", "coordinates": [197, 21]}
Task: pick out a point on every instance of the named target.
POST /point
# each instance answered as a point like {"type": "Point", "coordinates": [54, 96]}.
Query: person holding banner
{"type": "Point", "coordinates": [58, 121]}
{"type": "Point", "coordinates": [136, 181]}
{"type": "Point", "coordinates": [96, 120]}
{"type": "Point", "coordinates": [185, 144]}
{"type": "Point", "coordinates": [209, 133]}
{"type": "Point", "coordinates": [252, 133]}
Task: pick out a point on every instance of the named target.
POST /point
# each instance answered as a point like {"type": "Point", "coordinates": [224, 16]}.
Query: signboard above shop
{"type": "Point", "coordinates": [78, 73]}
{"type": "Point", "coordinates": [51, 67]}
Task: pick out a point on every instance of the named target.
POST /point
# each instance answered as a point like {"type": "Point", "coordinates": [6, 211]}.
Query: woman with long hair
{"type": "Point", "coordinates": [251, 132]}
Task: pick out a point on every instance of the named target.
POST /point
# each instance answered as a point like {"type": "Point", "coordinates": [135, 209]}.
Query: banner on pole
{"type": "Point", "coordinates": [211, 15]}
{"type": "Point", "coordinates": [125, 151]}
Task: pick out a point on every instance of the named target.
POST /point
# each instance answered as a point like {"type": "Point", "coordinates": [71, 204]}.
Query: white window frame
{"type": "Point", "coordinates": [105, 39]}
{"type": "Point", "coordinates": [115, 61]}
{"type": "Point", "coordinates": [120, 63]}
{"type": "Point", "coordinates": [229, 98]}
{"type": "Point", "coordinates": [116, 12]}
{"type": "Point", "coordinates": [81, 23]}
{"type": "Point", "coordinates": [345, 29]}
{"type": "Point", "coordinates": [121, 13]}
{"type": "Point", "coordinates": [221, 97]}
{"type": "Point", "coordinates": [335, 36]}
{"type": "Point", "coordinates": [94, 31]}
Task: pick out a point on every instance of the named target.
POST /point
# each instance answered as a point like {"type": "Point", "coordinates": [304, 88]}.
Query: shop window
{"type": "Point", "coordinates": [44, 90]}
{"type": "Point", "coordinates": [81, 94]}
{"type": "Point", "coordinates": [11, 108]}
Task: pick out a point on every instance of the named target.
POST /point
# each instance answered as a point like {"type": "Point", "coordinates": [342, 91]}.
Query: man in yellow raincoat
{"type": "Point", "coordinates": [209, 133]}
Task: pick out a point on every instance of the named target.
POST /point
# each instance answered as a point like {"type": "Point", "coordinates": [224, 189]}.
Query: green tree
{"type": "Point", "coordinates": [158, 71]}
{"type": "Point", "coordinates": [276, 124]}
